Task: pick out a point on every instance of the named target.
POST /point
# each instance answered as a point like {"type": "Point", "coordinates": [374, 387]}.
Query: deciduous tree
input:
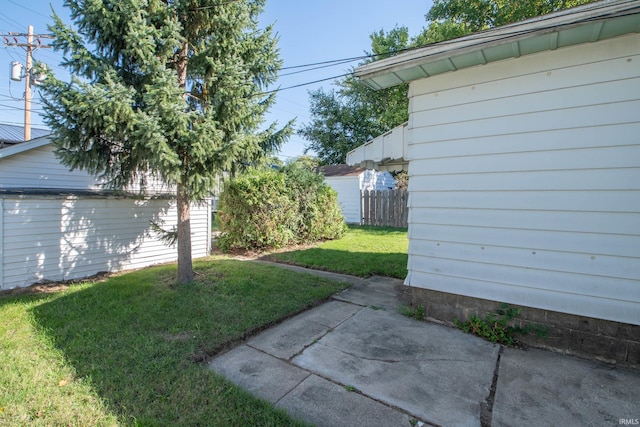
{"type": "Point", "coordinates": [477, 15]}
{"type": "Point", "coordinates": [352, 114]}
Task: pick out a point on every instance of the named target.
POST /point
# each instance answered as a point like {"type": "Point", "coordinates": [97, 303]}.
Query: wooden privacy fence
{"type": "Point", "coordinates": [386, 208]}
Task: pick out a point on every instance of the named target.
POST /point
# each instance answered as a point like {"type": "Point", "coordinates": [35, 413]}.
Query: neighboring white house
{"type": "Point", "coordinates": [57, 224]}
{"type": "Point", "coordinates": [386, 152]}
{"type": "Point", "coordinates": [523, 146]}
{"type": "Point", "coordinates": [349, 182]}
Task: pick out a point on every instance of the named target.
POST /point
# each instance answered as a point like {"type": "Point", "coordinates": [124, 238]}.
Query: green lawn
{"type": "Point", "coordinates": [125, 351]}
{"type": "Point", "coordinates": [364, 251]}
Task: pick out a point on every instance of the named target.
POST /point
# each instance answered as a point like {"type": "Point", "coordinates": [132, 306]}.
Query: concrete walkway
{"type": "Point", "coordinates": [355, 361]}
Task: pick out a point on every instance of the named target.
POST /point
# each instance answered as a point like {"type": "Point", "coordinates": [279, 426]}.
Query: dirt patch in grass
{"type": "Point", "coordinates": [267, 255]}
{"type": "Point", "coordinates": [38, 288]}
{"type": "Point", "coordinates": [180, 336]}
{"type": "Point", "coordinates": [51, 287]}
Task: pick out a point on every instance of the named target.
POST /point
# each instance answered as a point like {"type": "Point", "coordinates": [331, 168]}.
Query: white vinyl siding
{"type": "Point", "coordinates": [40, 168]}
{"type": "Point", "coordinates": [57, 237]}
{"type": "Point", "coordinates": [67, 238]}
{"type": "Point", "coordinates": [200, 228]}
{"type": "Point", "coordinates": [525, 181]}
{"type": "Point", "coordinates": [348, 189]}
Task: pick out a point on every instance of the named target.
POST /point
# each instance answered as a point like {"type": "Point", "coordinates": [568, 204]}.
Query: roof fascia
{"type": "Point", "coordinates": [25, 146]}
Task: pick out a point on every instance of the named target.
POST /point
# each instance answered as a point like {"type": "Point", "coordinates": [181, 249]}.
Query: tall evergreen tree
{"type": "Point", "coordinates": [170, 88]}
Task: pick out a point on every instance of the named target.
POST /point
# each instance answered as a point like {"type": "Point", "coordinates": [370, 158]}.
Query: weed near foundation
{"type": "Point", "coordinates": [499, 327]}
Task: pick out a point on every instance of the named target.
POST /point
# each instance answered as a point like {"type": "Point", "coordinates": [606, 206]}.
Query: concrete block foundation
{"type": "Point", "coordinates": [603, 340]}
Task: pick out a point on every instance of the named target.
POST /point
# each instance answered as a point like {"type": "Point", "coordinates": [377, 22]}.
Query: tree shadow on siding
{"type": "Point", "coordinates": [56, 239]}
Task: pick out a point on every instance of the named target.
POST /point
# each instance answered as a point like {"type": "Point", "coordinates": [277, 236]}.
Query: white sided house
{"type": "Point", "coordinates": [523, 146]}
{"type": "Point", "coordinates": [57, 224]}
{"type": "Point", "coordinates": [386, 152]}
{"type": "Point", "coordinates": [349, 182]}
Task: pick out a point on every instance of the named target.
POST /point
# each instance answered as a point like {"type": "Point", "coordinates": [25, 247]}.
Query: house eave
{"type": "Point", "coordinates": [25, 146]}
{"type": "Point", "coordinates": [385, 152]}
{"type": "Point", "coordinates": [65, 193]}
{"type": "Point", "coordinates": [585, 24]}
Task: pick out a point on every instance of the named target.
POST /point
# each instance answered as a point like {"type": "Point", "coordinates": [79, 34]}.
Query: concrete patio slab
{"type": "Point", "coordinates": [376, 292]}
{"type": "Point", "coordinates": [294, 335]}
{"type": "Point", "coordinates": [406, 370]}
{"type": "Point", "coordinates": [324, 403]}
{"type": "Point", "coordinates": [436, 373]}
{"type": "Point", "coordinates": [541, 388]}
{"type": "Point", "coordinates": [330, 314]}
{"type": "Point", "coordinates": [260, 374]}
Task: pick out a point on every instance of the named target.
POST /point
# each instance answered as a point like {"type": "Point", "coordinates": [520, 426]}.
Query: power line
{"type": "Point", "coordinates": [28, 8]}
{"type": "Point", "coordinates": [11, 98]}
{"type": "Point", "coordinates": [441, 43]}
{"type": "Point", "coordinates": [6, 122]}
{"type": "Point", "coordinates": [11, 107]}
{"type": "Point", "coordinates": [479, 37]}
{"type": "Point", "coordinates": [267, 92]}
{"type": "Point", "coordinates": [331, 61]}
{"type": "Point", "coordinates": [315, 68]}
{"type": "Point", "coordinates": [8, 20]}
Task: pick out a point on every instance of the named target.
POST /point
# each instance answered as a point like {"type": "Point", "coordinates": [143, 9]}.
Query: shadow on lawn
{"type": "Point", "coordinates": [362, 264]}
{"type": "Point", "coordinates": [133, 339]}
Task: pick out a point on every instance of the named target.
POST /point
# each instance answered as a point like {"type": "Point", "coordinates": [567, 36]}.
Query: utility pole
{"type": "Point", "coordinates": [27, 85]}
{"type": "Point", "coordinates": [29, 46]}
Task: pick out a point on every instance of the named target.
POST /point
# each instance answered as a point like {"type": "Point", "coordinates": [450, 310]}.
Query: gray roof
{"type": "Point", "coordinates": [64, 192]}
{"type": "Point", "coordinates": [14, 134]}
{"type": "Point", "coordinates": [341, 170]}
{"type": "Point", "coordinates": [588, 23]}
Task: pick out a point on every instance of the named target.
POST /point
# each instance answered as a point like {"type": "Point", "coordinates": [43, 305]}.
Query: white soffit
{"type": "Point", "coordinates": [584, 24]}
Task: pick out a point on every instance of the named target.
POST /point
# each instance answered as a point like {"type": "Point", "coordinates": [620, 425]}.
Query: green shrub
{"type": "Point", "coordinates": [320, 217]}
{"type": "Point", "coordinates": [255, 212]}
{"type": "Point", "coordinates": [328, 222]}
{"type": "Point", "coordinates": [265, 209]}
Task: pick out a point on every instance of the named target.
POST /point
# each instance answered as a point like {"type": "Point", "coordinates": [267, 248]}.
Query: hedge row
{"type": "Point", "coordinates": [266, 209]}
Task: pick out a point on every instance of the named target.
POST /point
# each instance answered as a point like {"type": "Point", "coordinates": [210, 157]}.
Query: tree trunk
{"type": "Point", "coordinates": [185, 265]}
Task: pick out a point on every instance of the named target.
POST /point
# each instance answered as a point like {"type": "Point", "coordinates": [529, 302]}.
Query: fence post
{"type": "Point", "coordinates": [393, 203]}
{"type": "Point", "coordinates": [375, 209]}
{"type": "Point", "coordinates": [385, 208]}
{"type": "Point", "coordinates": [365, 207]}
{"type": "Point", "coordinates": [405, 208]}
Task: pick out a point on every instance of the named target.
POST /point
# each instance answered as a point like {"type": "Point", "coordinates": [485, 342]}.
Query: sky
{"type": "Point", "coordinates": [308, 31]}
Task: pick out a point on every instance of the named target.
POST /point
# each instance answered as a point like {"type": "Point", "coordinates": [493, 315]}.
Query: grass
{"type": "Point", "coordinates": [124, 351]}
{"type": "Point", "coordinates": [364, 251]}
